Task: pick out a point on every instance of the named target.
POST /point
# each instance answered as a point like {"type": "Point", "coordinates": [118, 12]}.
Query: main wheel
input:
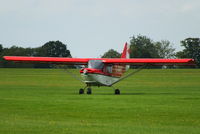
{"type": "Point", "coordinates": [81, 91]}
{"type": "Point", "coordinates": [117, 91]}
{"type": "Point", "coordinates": [89, 91]}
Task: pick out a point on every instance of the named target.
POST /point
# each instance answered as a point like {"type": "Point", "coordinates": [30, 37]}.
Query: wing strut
{"type": "Point", "coordinates": [73, 75]}
{"type": "Point", "coordinates": [130, 74]}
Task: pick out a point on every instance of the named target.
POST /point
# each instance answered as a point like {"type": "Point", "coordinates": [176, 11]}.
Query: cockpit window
{"type": "Point", "coordinates": [96, 64]}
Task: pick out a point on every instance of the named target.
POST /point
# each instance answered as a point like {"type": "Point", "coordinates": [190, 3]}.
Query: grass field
{"type": "Point", "coordinates": [46, 101]}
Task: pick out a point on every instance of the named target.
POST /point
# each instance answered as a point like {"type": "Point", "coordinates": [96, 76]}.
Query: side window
{"type": "Point", "coordinates": [109, 69]}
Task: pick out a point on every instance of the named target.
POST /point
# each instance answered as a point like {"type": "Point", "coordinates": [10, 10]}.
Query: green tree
{"type": "Point", "coordinates": [53, 49]}
{"type": "Point", "coordinates": [49, 49]}
{"type": "Point", "coordinates": [1, 49]}
{"type": "Point", "coordinates": [164, 49]}
{"type": "Point", "coordinates": [111, 54]}
{"type": "Point", "coordinates": [142, 47]}
{"type": "Point", "coordinates": [16, 51]}
{"type": "Point", "coordinates": [1, 58]}
{"type": "Point", "coordinates": [191, 49]}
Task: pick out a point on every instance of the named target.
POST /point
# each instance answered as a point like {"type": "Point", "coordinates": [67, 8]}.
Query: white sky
{"type": "Point", "coordinates": [91, 27]}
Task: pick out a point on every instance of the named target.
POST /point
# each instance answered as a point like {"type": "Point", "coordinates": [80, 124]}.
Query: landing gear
{"type": "Point", "coordinates": [89, 91]}
{"type": "Point", "coordinates": [81, 91]}
{"type": "Point", "coordinates": [117, 91]}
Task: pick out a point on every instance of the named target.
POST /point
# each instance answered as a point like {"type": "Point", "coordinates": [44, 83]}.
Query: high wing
{"type": "Point", "coordinates": [116, 61]}
{"type": "Point", "coordinates": [51, 60]}
{"type": "Point", "coordinates": [150, 61]}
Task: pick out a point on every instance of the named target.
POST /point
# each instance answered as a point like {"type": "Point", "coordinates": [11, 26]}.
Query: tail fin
{"type": "Point", "coordinates": [126, 51]}
{"type": "Point", "coordinates": [119, 70]}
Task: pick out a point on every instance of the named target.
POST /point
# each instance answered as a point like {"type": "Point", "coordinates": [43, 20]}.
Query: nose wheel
{"type": "Point", "coordinates": [89, 91]}
{"type": "Point", "coordinates": [81, 91]}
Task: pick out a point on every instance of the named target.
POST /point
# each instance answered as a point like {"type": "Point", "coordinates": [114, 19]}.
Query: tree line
{"type": "Point", "coordinates": [49, 49]}
{"type": "Point", "coordinates": [140, 47]}
{"type": "Point", "coordinates": [144, 47]}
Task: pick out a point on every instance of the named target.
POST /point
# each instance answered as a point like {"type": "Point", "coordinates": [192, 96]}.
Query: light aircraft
{"type": "Point", "coordinates": [103, 71]}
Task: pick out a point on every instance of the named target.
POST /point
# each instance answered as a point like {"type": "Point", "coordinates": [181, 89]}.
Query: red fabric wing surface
{"type": "Point", "coordinates": [84, 61]}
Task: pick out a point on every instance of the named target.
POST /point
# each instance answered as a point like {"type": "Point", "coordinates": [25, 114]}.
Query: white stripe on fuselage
{"type": "Point", "coordinates": [99, 78]}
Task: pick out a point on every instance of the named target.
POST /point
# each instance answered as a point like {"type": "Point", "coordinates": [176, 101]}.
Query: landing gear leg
{"type": "Point", "coordinates": [89, 91]}
{"type": "Point", "coordinates": [117, 91]}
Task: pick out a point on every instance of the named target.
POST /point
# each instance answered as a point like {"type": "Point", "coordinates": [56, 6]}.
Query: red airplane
{"type": "Point", "coordinates": [103, 71]}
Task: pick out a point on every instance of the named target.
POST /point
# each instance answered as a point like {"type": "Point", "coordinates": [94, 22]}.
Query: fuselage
{"type": "Point", "coordinates": [96, 77]}
{"type": "Point", "coordinates": [99, 74]}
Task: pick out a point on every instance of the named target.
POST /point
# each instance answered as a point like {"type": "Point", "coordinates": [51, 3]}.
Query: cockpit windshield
{"type": "Point", "coordinates": [96, 64]}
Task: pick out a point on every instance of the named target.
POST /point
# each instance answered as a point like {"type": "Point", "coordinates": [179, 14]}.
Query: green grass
{"type": "Point", "coordinates": [46, 101]}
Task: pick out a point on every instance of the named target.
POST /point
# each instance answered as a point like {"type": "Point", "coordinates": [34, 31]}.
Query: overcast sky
{"type": "Point", "coordinates": [91, 27]}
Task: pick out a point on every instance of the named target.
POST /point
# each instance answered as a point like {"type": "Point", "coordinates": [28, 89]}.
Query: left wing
{"type": "Point", "coordinates": [150, 61]}
{"type": "Point", "coordinates": [116, 61]}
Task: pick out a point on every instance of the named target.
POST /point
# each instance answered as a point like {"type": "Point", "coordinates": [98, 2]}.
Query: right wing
{"type": "Point", "coordinates": [51, 60]}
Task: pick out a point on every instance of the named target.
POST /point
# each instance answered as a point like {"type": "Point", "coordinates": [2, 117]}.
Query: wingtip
{"type": "Point", "coordinates": [5, 57]}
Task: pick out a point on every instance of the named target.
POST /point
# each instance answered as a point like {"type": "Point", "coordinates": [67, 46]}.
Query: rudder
{"type": "Point", "coordinates": [119, 70]}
